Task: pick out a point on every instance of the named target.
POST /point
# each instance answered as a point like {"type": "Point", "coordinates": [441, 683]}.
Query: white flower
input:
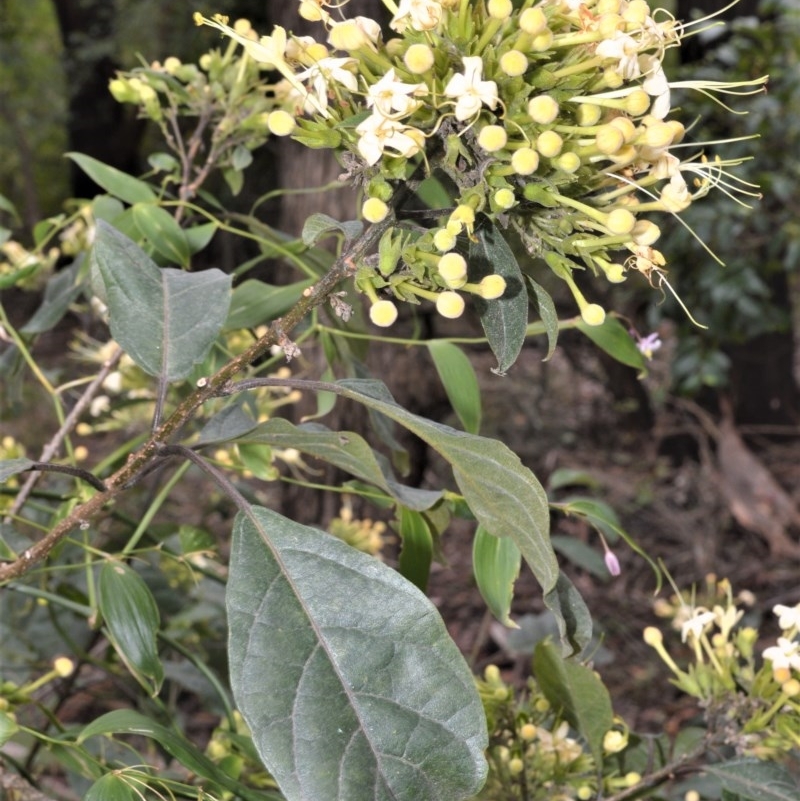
{"type": "Point", "coordinates": [391, 97]}
{"type": "Point", "coordinates": [470, 90]}
{"type": "Point", "coordinates": [656, 85]}
{"type": "Point", "coordinates": [788, 616]}
{"type": "Point", "coordinates": [325, 71]}
{"type": "Point", "coordinates": [625, 50]}
{"type": "Point", "coordinates": [380, 134]}
{"type": "Point", "coordinates": [696, 624]}
{"type": "Point", "coordinates": [786, 654]}
{"type": "Point", "coordinates": [421, 15]}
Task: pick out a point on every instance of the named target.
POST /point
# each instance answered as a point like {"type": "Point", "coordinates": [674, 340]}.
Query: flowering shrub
{"type": "Point", "coordinates": [481, 131]}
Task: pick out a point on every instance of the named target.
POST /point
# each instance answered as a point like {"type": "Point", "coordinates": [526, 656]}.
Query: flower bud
{"type": "Point", "coordinates": [791, 688]}
{"type": "Point", "coordinates": [383, 313]}
{"type": "Point", "coordinates": [527, 731]}
{"type": "Point", "coordinates": [374, 210]}
{"type": "Point", "coordinates": [348, 35]}
{"type": "Point", "coordinates": [542, 41]}
{"type": "Point", "coordinates": [311, 11]}
{"type": "Point", "coordinates": [504, 198]}
{"type": "Point", "coordinates": [637, 102]}
{"type": "Point", "coordinates": [532, 21]}
{"type": "Point", "coordinates": [549, 144]}
{"type": "Point", "coordinates": [678, 131]}
{"type": "Point", "coordinates": [492, 287]}
{"type": "Point", "coordinates": [492, 674]}
{"type": "Point", "coordinates": [645, 232]}
{"type": "Point", "coordinates": [492, 138]}
{"type": "Point", "coordinates": [625, 124]}
{"type": "Point", "coordinates": [513, 63]}
{"type": "Point", "coordinates": [451, 305]}
{"type": "Point", "coordinates": [515, 766]}
{"type": "Point", "coordinates": [418, 58]}
{"type": "Point", "coordinates": [615, 274]}
{"type": "Point", "coordinates": [280, 122]}
{"type": "Point", "coordinates": [593, 314]}
{"type": "Point", "coordinates": [499, 9]}
{"type": "Point", "coordinates": [568, 162]}
{"type": "Point", "coordinates": [609, 139]}
{"type": "Point", "coordinates": [588, 114]}
{"type": "Point", "coordinates": [525, 161]}
{"type": "Point", "coordinates": [620, 221]}
{"type": "Point", "coordinates": [632, 778]}
{"type": "Point", "coordinates": [543, 109]}
{"type": "Point", "coordinates": [452, 267]}
{"type": "Point", "coordinates": [444, 240]}
{"type": "Point", "coordinates": [64, 666]}
{"type": "Point", "coordinates": [658, 135]}
{"type": "Point", "coordinates": [614, 741]}
{"type": "Point", "coordinates": [464, 215]}
{"type": "Point", "coordinates": [653, 636]}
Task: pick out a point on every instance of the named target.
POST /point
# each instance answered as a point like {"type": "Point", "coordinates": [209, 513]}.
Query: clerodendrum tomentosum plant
{"type": "Point", "coordinates": [547, 123]}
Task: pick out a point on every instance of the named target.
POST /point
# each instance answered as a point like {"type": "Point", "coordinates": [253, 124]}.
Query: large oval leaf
{"type": "Point", "coordinates": [163, 232]}
{"type": "Point", "coordinates": [345, 673]}
{"type": "Point", "coordinates": [495, 563]}
{"type": "Point", "coordinates": [165, 319]}
{"type": "Point", "coordinates": [114, 181]}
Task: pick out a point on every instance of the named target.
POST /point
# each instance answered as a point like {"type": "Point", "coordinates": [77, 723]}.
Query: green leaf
{"type": "Point", "coordinates": [7, 280]}
{"type": "Point", "coordinates": [254, 302]}
{"type": "Point", "coordinates": [756, 780]}
{"type": "Point", "coordinates": [496, 563]}
{"type": "Point", "coordinates": [318, 225]}
{"type": "Point", "coordinates": [114, 181]}
{"type": "Point", "coordinates": [160, 229]}
{"type": "Point", "coordinates": [504, 320]}
{"type": "Point", "coordinates": [344, 449]}
{"type": "Point", "coordinates": [417, 549]}
{"type": "Point", "coordinates": [126, 721]}
{"type": "Point", "coordinates": [200, 235]}
{"type": "Point", "coordinates": [598, 513]}
{"type": "Point", "coordinates": [10, 467]}
{"type": "Point", "coordinates": [345, 673]}
{"type": "Point", "coordinates": [581, 555]}
{"type": "Point", "coordinates": [8, 727]}
{"type": "Point", "coordinates": [572, 615]}
{"type": "Point", "coordinates": [460, 384]}
{"type": "Point", "coordinates": [111, 787]}
{"type": "Point", "coordinates": [231, 422]}
{"type": "Point", "coordinates": [503, 494]}
{"type": "Point", "coordinates": [242, 158]}
{"type": "Point", "coordinates": [165, 319]}
{"type": "Point", "coordinates": [547, 314]}
{"type": "Point", "coordinates": [578, 692]}
{"type": "Point", "coordinates": [60, 292]}
{"type": "Point", "coordinates": [612, 337]}
{"type": "Point", "coordinates": [132, 619]}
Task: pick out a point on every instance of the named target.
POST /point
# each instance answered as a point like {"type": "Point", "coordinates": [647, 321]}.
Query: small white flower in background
{"type": "Point", "coordinates": [648, 345]}
{"type": "Point", "coordinates": [391, 97]}
{"type": "Point", "coordinates": [421, 15]}
{"type": "Point", "coordinates": [784, 655]}
{"type": "Point", "coordinates": [656, 85]}
{"type": "Point", "coordinates": [788, 616]}
{"type": "Point", "coordinates": [381, 134]}
{"type": "Point", "coordinates": [470, 90]}
{"type": "Point", "coordinates": [696, 624]}
{"type": "Point", "coordinates": [325, 72]}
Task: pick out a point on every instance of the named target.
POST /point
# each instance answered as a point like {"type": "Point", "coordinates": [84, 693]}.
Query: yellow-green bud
{"type": "Point", "coordinates": [588, 114]}
{"type": "Point", "coordinates": [492, 138]}
{"type": "Point", "coordinates": [374, 210]}
{"type": "Point", "coordinates": [542, 41]}
{"type": "Point", "coordinates": [348, 35]}
{"type": "Point", "coordinates": [383, 313]}
{"type": "Point", "coordinates": [614, 741]}
{"type": "Point", "coordinates": [549, 144]}
{"type": "Point", "coordinates": [541, 705]}
{"type": "Point", "coordinates": [311, 11]}
{"type": "Point", "coordinates": [612, 78]}
{"type": "Point", "coordinates": [607, 7]}
{"type": "Point", "coordinates": [609, 24]}
{"type": "Point", "coordinates": [691, 795]}
{"type": "Point", "coordinates": [592, 314]}
{"type": "Point", "coordinates": [678, 131]}
{"type": "Point", "coordinates": [492, 674]}
{"type": "Point", "coordinates": [645, 232]}
{"type": "Point", "coordinates": [532, 21]}
{"type": "Point", "coordinates": [614, 272]}
{"type": "Point", "coordinates": [658, 135]}
{"type": "Point", "coordinates": [452, 267]}
{"type": "Point", "coordinates": [653, 636]}
{"type": "Point", "coordinates": [620, 221]}
{"type": "Point", "coordinates": [542, 109]}
{"type": "Point", "coordinates": [632, 778]}
{"type": "Point", "coordinates": [636, 12]}
{"type": "Point", "coordinates": [451, 305]}
{"type": "Point", "coordinates": [637, 103]}
{"type": "Point", "coordinates": [492, 287]}
{"type": "Point", "coordinates": [625, 124]}
{"type": "Point", "coordinates": [527, 731]}
{"type": "Point", "coordinates": [504, 198]}
{"type": "Point", "coordinates": [444, 240]}
{"type": "Point", "coordinates": [525, 161]}
{"type": "Point", "coordinates": [464, 215]}
{"type": "Point", "coordinates": [418, 58]}
{"type": "Point", "coordinates": [499, 9]}
{"type": "Point", "coordinates": [791, 688]}
{"type": "Point", "coordinates": [63, 666]}
{"type": "Point", "coordinates": [609, 139]}
{"type": "Point", "coordinates": [281, 123]}
{"type": "Point", "coordinates": [585, 793]}
{"type": "Point", "coordinates": [568, 162]}
{"type": "Point", "coordinates": [515, 766]}
{"type": "Point", "coordinates": [513, 63]}
{"type": "Point", "coordinates": [171, 64]}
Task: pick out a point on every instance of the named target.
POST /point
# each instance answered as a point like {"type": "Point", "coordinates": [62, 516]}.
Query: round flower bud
{"type": "Point", "coordinates": [568, 162]}
{"type": "Point", "coordinates": [678, 131]}
{"type": "Point", "coordinates": [513, 63]}
{"type": "Point", "coordinates": [243, 27]}
{"type": "Point", "coordinates": [348, 35]}
{"type": "Point", "coordinates": [444, 240]}
{"type": "Point", "coordinates": [451, 305]}
{"type": "Point", "coordinates": [609, 139]}
{"type": "Point", "coordinates": [504, 198]}
{"type": "Point", "coordinates": [614, 741]}
{"type": "Point", "coordinates": [588, 114]}
{"type": "Point", "coordinates": [492, 287]}
{"type": "Point", "coordinates": [615, 273]}
{"type": "Point", "coordinates": [653, 636]}
{"type": "Point", "coordinates": [452, 267]}
{"type": "Point", "coordinates": [609, 24]}
{"type": "Point", "coordinates": [612, 78]}
{"type": "Point", "coordinates": [637, 102]}
{"type": "Point", "coordinates": [309, 10]}
{"type": "Point", "coordinates": [607, 7]}
{"type": "Point", "coordinates": [525, 161]}
{"type": "Point", "coordinates": [532, 21]}
{"type": "Point", "coordinates": [542, 109]}
{"type": "Point", "coordinates": [515, 766]}
{"type": "Point", "coordinates": [63, 666]}
{"type": "Point", "coordinates": [492, 674]}
{"type": "Point", "coordinates": [543, 41]}
{"type": "Point", "coordinates": [492, 138]}
{"type": "Point", "coordinates": [632, 778]}
{"type": "Point", "coordinates": [383, 313]}
{"type": "Point", "coordinates": [791, 688]}
{"type": "Point", "coordinates": [499, 9]}
{"type": "Point", "coordinates": [463, 214]}
{"type": "Point", "coordinates": [658, 135]}
{"type": "Point", "coordinates": [171, 64]}
{"type": "Point", "coordinates": [637, 12]}
{"type": "Point", "coordinates": [314, 52]}
{"type": "Point", "coordinates": [592, 314]}
{"type": "Point", "coordinates": [527, 731]}
{"type": "Point", "coordinates": [374, 210]}
{"type": "Point", "coordinates": [645, 232]}
{"type": "Point", "coordinates": [585, 792]}
{"type": "Point", "coordinates": [620, 221]}
{"type": "Point", "coordinates": [625, 124]}
{"type": "Point", "coordinates": [280, 122]}
{"type": "Point", "coordinates": [549, 144]}
{"type": "Point", "coordinates": [418, 58]}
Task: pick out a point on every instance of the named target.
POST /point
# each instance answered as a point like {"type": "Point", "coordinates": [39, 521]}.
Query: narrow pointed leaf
{"type": "Point", "coordinates": [756, 780]}
{"type": "Point", "coordinates": [501, 492]}
{"type": "Point", "coordinates": [496, 563]}
{"type": "Point", "coordinates": [232, 422]}
{"type": "Point", "coordinates": [572, 615]}
{"type": "Point", "coordinates": [163, 232]}
{"type": "Point", "coordinates": [165, 319]}
{"type": "Point", "coordinates": [612, 337]}
{"type": "Point", "coordinates": [131, 616]}
{"type": "Point", "coordinates": [318, 225]}
{"type": "Point", "coordinates": [111, 787]}
{"type": "Point", "coordinates": [345, 672]}
{"type": "Point", "coordinates": [114, 181]}
{"type": "Point", "coordinates": [576, 690]}
{"type": "Point", "coordinates": [60, 292]}
{"type": "Point", "coordinates": [548, 315]}
{"type": "Point", "coordinates": [504, 319]}
{"type": "Point", "coordinates": [460, 383]}
{"type": "Point", "coordinates": [254, 302]}
{"type": "Point", "coordinates": [416, 554]}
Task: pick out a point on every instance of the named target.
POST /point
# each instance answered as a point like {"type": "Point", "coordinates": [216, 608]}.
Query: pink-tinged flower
{"type": "Point", "coordinates": [612, 563]}
{"type": "Point", "coordinates": [648, 345]}
{"type": "Point", "coordinates": [470, 91]}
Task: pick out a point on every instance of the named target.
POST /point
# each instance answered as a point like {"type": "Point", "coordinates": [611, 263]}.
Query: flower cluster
{"type": "Point", "coordinates": [548, 117]}
{"type": "Point", "coordinates": [757, 706]}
